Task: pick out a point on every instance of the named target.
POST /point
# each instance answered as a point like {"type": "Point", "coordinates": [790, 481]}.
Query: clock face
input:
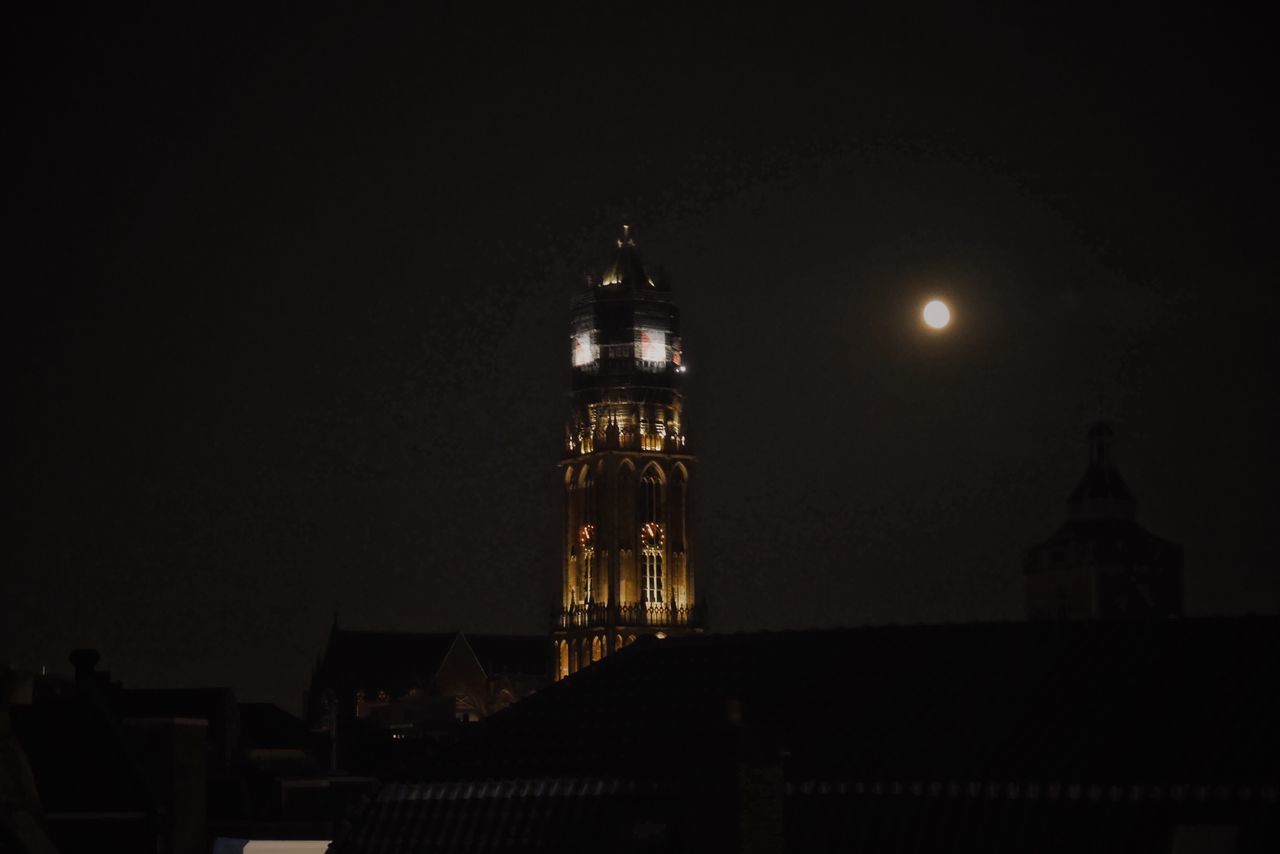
{"type": "Point", "coordinates": [584, 348]}
{"type": "Point", "coordinates": [651, 345]}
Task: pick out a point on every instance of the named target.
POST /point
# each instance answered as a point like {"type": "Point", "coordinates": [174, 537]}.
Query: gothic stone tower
{"type": "Point", "coordinates": [627, 570]}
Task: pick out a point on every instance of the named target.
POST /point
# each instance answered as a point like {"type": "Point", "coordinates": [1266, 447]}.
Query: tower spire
{"type": "Point", "coordinates": [627, 269]}
{"type": "Point", "coordinates": [1102, 492]}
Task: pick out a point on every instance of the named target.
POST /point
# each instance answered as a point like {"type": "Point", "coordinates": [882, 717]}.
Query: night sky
{"type": "Point", "coordinates": [288, 311]}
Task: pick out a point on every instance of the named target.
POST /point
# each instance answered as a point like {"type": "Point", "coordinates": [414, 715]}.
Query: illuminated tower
{"type": "Point", "coordinates": [627, 570]}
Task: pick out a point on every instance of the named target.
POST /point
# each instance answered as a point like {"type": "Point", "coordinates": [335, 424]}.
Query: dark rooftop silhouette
{"type": "Point", "coordinates": [1015, 736]}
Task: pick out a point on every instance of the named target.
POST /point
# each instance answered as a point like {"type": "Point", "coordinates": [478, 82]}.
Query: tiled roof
{"type": "Point", "coordinates": [545, 814]}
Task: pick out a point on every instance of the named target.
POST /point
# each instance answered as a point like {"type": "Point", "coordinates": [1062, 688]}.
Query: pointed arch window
{"type": "Point", "coordinates": [651, 553]}
{"type": "Point", "coordinates": [587, 488]}
{"type": "Point", "coordinates": [582, 573]}
{"type": "Point", "coordinates": [651, 495]}
{"type": "Point", "coordinates": [652, 536]}
{"type": "Point", "coordinates": [587, 560]}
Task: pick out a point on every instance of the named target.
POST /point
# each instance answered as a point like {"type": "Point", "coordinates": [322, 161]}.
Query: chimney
{"type": "Point", "coordinates": [737, 788]}
{"type": "Point", "coordinates": [84, 661]}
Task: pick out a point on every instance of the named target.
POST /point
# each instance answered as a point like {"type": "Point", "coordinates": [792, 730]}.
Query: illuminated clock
{"type": "Point", "coordinates": [651, 345]}
{"type": "Point", "coordinates": [652, 536]}
{"type": "Point", "coordinates": [584, 348]}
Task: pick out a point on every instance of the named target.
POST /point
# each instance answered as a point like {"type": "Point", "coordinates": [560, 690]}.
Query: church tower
{"type": "Point", "coordinates": [627, 569]}
{"type": "Point", "coordinates": [1101, 564]}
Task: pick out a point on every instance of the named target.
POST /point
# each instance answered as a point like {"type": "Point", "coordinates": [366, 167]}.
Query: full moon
{"type": "Point", "coordinates": [936, 314]}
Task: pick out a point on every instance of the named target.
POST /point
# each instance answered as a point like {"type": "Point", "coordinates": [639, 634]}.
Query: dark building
{"type": "Point", "coordinates": [414, 686]}
{"type": "Point", "coordinates": [71, 776]}
{"type": "Point", "coordinates": [114, 771]}
{"type": "Point", "coordinates": [1086, 736]}
{"type": "Point", "coordinates": [94, 766]}
{"type": "Point", "coordinates": [627, 569]}
{"type": "Point", "coordinates": [1102, 564]}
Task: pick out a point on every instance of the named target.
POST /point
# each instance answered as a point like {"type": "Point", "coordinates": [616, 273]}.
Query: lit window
{"type": "Point", "coordinates": [584, 349]}
{"type": "Point", "coordinates": [652, 535]}
{"type": "Point", "coordinates": [651, 549]}
{"type": "Point", "coordinates": [586, 542]}
{"type": "Point", "coordinates": [651, 346]}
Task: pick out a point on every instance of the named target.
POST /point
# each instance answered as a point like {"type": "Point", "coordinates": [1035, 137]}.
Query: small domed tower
{"type": "Point", "coordinates": [627, 568]}
{"type": "Point", "coordinates": [1102, 564]}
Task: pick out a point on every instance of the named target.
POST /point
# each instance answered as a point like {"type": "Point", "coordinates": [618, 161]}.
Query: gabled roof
{"type": "Point", "coordinates": [384, 661]}
{"type": "Point", "coordinates": [398, 661]}
{"type": "Point", "coordinates": [524, 655]}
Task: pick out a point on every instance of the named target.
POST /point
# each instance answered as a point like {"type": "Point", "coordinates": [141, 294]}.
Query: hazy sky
{"type": "Point", "coordinates": [290, 329]}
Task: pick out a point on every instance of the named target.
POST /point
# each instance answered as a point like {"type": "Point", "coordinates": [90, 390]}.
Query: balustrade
{"type": "Point", "coordinates": [652, 614]}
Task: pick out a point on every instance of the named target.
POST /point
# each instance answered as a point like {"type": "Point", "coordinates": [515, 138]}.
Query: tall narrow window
{"type": "Point", "coordinates": [572, 517]}
{"type": "Point", "coordinates": [587, 551]}
{"type": "Point", "coordinates": [652, 536]}
{"type": "Point", "coordinates": [677, 509]}
{"type": "Point", "coordinates": [651, 496]}
{"type": "Point", "coordinates": [588, 498]}
{"type": "Point", "coordinates": [651, 549]}
{"type": "Point", "coordinates": [585, 539]}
